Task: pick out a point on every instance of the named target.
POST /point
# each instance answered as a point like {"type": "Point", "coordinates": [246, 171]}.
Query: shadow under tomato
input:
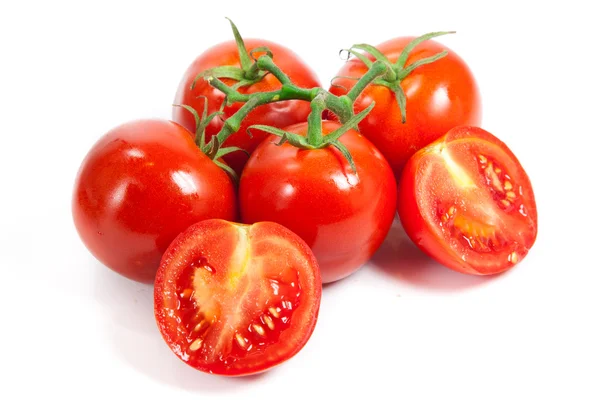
{"type": "Point", "coordinates": [400, 258]}
{"type": "Point", "coordinates": [138, 342]}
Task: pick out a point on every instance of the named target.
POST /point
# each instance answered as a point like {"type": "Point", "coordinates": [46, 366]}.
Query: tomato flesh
{"type": "Point", "coordinates": [466, 200]}
{"type": "Point", "coordinates": [237, 299]}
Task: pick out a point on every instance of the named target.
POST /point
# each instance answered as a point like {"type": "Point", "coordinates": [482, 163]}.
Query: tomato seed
{"type": "Point", "coordinates": [269, 322]}
{"type": "Point", "coordinates": [258, 329]}
{"type": "Point", "coordinates": [196, 344]}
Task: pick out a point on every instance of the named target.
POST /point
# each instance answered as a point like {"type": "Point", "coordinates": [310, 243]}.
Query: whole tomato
{"type": "Point", "coordinates": [343, 215]}
{"type": "Point", "coordinates": [140, 185]}
{"type": "Point", "coordinates": [439, 96]}
{"type": "Point", "coordinates": [278, 114]}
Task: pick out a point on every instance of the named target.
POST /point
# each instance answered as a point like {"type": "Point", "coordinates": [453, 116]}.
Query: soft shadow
{"type": "Point", "coordinates": [138, 342]}
{"type": "Point", "coordinates": [400, 258]}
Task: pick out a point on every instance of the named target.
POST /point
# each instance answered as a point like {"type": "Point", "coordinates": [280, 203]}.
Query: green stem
{"type": "Point", "coordinates": [378, 69]}
{"type": "Point", "coordinates": [266, 64]}
{"type": "Point", "coordinates": [315, 128]}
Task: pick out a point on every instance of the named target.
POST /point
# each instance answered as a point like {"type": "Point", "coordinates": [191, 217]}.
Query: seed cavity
{"type": "Point", "coordinates": [196, 344]}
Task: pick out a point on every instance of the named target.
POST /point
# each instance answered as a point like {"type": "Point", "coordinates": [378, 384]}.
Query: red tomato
{"type": "Point", "coordinates": [142, 184]}
{"type": "Point", "coordinates": [342, 215]}
{"type": "Point", "coordinates": [278, 114]}
{"type": "Point", "coordinates": [466, 201]}
{"type": "Point", "coordinates": [235, 299]}
{"type": "Point", "coordinates": [439, 96]}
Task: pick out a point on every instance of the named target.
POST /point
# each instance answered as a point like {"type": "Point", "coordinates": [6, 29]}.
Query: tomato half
{"type": "Point", "coordinates": [278, 114]}
{"type": "Point", "coordinates": [235, 299]}
{"type": "Point", "coordinates": [342, 215]}
{"type": "Point", "coordinates": [141, 185]}
{"type": "Point", "coordinates": [467, 202]}
{"type": "Point", "coordinates": [439, 96]}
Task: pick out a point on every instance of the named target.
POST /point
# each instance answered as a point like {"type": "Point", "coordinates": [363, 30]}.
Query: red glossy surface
{"type": "Point", "coordinates": [439, 96]}
{"type": "Point", "coordinates": [467, 202]}
{"type": "Point", "coordinates": [140, 185]}
{"type": "Point", "coordinates": [278, 114]}
{"type": "Point", "coordinates": [342, 215]}
{"type": "Point", "coordinates": [235, 299]}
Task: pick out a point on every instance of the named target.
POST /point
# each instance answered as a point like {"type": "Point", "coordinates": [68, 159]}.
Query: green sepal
{"type": "Point", "coordinates": [294, 139]}
{"type": "Point", "coordinates": [359, 55]}
{"type": "Point", "coordinates": [414, 43]}
{"type": "Point", "coordinates": [212, 148]}
{"type": "Point", "coordinates": [372, 50]}
{"type": "Point", "coordinates": [345, 152]}
{"type": "Point", "coordinates": [225, 71]}
{"type": "Point", "coordinates": [428, 60]}
{"type": "Point", "coordinates": [350, 124]}
{"type": "Point", "coordinates": [227, 150]}
{"type": "Point", "coordinates": [245, 60]}
{"type": "Point", "coordinates": [228, 169]}
{"type": "Point", "coordinates": [401, 100]}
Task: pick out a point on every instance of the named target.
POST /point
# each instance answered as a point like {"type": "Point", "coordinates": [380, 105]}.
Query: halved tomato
{"type": "Point", "coordinates": [235, 299]}
{"type": "Point", "coordinates": [467, 202]}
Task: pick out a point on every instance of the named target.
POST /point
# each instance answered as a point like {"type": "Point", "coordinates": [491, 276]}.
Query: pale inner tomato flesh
{"type": "Point", "coordinates": [233, 314]}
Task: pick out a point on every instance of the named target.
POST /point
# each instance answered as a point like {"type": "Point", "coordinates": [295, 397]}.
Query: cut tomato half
{"type": "Point", "coordinates": [467, 202]}
{"type": "Point", "coordinates": [234, 299]}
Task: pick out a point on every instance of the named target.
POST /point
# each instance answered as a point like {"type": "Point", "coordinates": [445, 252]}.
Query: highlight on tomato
{"type": "Point", "coordinates": [232, 61]}
{"type": "Point", "coordinates": [234, 299]}
{"type": "Point", "coordinates": [467, 202]}
{"type": "Point", "coordinates": [427, 91]}
{"type": "Point", "coordinates": [340, 198]}
{"type": "Point", "coordinates": [141, 185]}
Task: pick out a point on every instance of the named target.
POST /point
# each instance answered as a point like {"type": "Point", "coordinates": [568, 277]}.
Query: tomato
{"type": "Point", "coordinates": [467, 202]}
{"type": "Point", "coordinates": [278, 114]}
{"type": "Point", "coordinates": [342, 215]}
{"type": "Point", "coordinates": [439, 96]}
{"type": "Point", "coordinates": [234, 299]}
{"type": "Point", "coordinates": [140, 185]}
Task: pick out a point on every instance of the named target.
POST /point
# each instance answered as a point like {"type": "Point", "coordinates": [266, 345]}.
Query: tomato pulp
{"type": "Point", "coordinates": [279, 114]}
{"type": "Point", "coordinates": [466, 201]}
{"type": "Point", "coordinates": [342, 215]}
{"type": "Point", "coordinates": [235, 299]}
{"type": "Point", "coordinates": [140, 185]}
{"type": "Point", "coordinates": [439, 96]}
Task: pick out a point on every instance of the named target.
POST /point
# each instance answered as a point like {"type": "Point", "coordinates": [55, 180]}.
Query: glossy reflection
{"type": "Point", "coordinates": [141, 185]}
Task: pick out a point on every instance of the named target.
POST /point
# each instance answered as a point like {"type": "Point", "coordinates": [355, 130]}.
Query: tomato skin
{"type": "Point", "coordinates": [278, 114]}
{"type": "Point", "coordinates": [439, 96]}
{"type": "Point", "coordinates": [343, 216]}
{"type": "Point", "coordinates": [421, 186]}
{"type": "Point", "coordinates": [139, 186]}
{"type": "Point", "coordinates": [275, 252]}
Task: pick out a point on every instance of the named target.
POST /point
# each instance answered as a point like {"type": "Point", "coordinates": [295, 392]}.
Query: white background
{"type": "Point", "coordinates": [403, 326]}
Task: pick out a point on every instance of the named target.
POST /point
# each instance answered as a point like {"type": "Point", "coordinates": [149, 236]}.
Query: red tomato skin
{"type": "Point", "coordinates": [344, 217]}
{"type": "Point", "coordinates": [293, 340]}
{"type": "Point", "coordinates": [279, 114]}
{"type": "Point", "coordinates": [423, 234]}
{"type": "Point", "coordinates": [439, 96]}
{"type": "Point", "coordinates": [138, 187]}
